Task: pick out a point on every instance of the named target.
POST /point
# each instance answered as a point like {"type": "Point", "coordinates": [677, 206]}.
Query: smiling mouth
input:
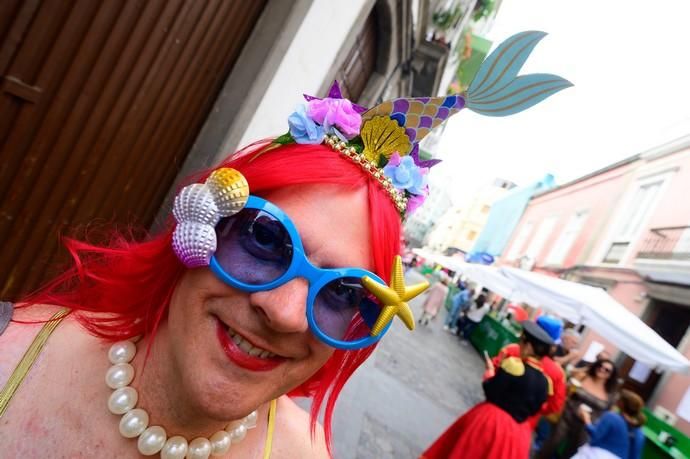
{"type": "Point", "coordinates": [243, 353]}
{"type": "Point", "coordinates": [248, 347]}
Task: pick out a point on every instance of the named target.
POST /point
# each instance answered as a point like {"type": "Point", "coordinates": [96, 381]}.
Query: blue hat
{"type": "Point", "coordinates": [552, 326]}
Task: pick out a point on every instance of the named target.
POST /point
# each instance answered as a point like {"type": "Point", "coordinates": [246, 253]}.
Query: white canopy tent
{"type": "Point", "coordinates": [578, 303]}
{"type": "Point", "coordinates": [599, 311]}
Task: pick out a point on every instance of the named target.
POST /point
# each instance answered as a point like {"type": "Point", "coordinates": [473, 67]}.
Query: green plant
{"type": "Point", "coordinates": [483, 9]}
{"type": "Point", "coordinates": [444, 20]}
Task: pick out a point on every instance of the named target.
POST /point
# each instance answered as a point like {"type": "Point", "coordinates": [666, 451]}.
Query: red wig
{"type": "Point", "coordinates": [123, 290]}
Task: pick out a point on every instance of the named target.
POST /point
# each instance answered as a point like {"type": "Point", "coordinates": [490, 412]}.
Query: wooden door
{"type": "Point", "coordinates": [100, 102]}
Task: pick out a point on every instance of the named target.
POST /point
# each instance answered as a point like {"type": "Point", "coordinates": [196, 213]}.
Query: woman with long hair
{"type": "Point", "coordinates": [596, 391]}
{"type": "Point", "coordinates": [276, 275]}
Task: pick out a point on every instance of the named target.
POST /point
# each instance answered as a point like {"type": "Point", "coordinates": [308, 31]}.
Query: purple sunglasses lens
{"type": "Point", "coordinates": [343, 309]}
{"type": "Point", "coordinates": [254, 247]}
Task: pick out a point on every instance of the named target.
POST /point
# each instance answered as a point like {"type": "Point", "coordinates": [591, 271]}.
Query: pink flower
{"type": "Point", "coordinates": [338, 113]}
{"type": "Point", "coordinates": [415, 201]}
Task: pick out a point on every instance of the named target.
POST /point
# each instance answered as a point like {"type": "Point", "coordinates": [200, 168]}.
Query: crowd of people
{"type": "Point", "coordinates": [543, 399]}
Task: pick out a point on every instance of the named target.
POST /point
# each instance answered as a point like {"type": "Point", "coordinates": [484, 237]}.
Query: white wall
{"type": "Point", "coordinates": [307, 63]}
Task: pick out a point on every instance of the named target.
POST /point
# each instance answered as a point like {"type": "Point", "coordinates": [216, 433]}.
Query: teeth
{"type": "Point", "coordinates": [247, 347]}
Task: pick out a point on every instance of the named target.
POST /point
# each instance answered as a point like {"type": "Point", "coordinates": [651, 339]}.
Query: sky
{"type": "Point", "coordinates": [628, 61]}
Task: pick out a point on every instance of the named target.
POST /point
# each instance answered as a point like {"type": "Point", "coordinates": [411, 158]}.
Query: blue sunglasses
{"type": "Point", "coordinates": [259, 249]}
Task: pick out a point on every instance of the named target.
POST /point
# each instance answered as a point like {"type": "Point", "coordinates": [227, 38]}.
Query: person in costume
{"type": "Point", "coordinates": [515, 390]}
{"type": "Point", "coordinates": [277, 275]}
{"type": "Point", "coordinates": [557, 396]}
{"type": "Point", "coordinates": [542, 422]}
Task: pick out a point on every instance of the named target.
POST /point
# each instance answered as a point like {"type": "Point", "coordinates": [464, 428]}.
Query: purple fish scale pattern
{"type": "Point", "coordinates": [419, 115]}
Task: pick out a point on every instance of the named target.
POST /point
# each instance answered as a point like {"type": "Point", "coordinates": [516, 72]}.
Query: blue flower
{"type": "Point", "coordinates": [303, 129]}
{"type": "Point", "coordinates": [405, 174]}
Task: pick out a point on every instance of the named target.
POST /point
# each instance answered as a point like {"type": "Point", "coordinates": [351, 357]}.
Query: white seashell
{"type": "Point", "coordinates": [195, 203]}
{"type": "Point", "coordinates": [230, 190]}
{"type": "Point", "coordinates": [194, 243]}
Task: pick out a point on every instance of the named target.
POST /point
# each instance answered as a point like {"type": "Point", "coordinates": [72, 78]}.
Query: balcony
{"type": "Point", "coordinates": [670, 243]}
{"type": "Point", "coordinates": [664, 257]}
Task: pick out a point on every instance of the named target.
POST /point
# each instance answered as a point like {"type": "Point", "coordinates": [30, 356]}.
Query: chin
{"type": "Point", "coordinates": [222, 400]}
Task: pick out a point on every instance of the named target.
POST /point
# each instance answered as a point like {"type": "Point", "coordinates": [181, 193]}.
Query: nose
{"type": "Point", "coordinates": [284, 308]}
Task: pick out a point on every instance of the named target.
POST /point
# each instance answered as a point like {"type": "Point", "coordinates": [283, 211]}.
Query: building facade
{"type": "Point", "coordinates": [625, 228]}
{"type": "Point", "coordinates": [419, 225]}
{"type": "Point", "coordinates": [459, 227]}
{"type": "Point", "coordinates": [505, 215]}
{"type": "Point", "coordinates": [106, 107]}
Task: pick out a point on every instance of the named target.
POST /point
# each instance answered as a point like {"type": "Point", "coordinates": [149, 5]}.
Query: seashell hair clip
{"type": "Point", "coordinates": [199, 207]}
{"type": "Point", "coordinates": [384, 140]}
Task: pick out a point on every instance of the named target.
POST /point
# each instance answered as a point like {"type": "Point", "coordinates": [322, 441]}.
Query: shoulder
{"type": "Point", "coordinates": [292, 437]}
{"type": "Point", "coordinates": [511, 350]}
{"type": "Point", "coordinates": [612, 418]}
{"type": "Point", "coordinates": [514, 366]}
{"type": "Point", "coordinates": [17, 336]}
{"type": "Point", "coordinates": [554, 370]}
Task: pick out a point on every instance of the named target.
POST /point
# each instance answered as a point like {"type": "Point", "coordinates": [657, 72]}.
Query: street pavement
{"type": "Point", "coordinates": [413, 387]}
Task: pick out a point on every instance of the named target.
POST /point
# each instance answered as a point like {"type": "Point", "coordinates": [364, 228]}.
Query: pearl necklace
{"type": "Point", "coordinates": [154, 439]}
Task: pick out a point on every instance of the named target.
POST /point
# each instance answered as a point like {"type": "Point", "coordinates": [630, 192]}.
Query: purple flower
{"type": "Point", "coordinates": [303, 129]}
{"type": "Point", "coordinates": [335, 113]}
{"type": "Point", "coordinates": [415, 201]}
{"type": "Point", "coordinates": [405, 174]}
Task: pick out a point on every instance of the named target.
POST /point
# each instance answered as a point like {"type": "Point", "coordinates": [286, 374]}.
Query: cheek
{"type": "Point", "coordinates": [320, 353]}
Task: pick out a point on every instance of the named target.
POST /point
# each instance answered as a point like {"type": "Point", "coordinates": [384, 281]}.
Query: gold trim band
{"type": "Point", "coordinates": [396, 196]}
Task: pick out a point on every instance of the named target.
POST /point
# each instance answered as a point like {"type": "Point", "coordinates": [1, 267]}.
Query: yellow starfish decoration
{"type": "Point", "coordinates": [394, 297]}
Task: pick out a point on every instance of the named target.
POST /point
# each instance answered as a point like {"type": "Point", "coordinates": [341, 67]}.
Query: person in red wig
{"type": "Point", "coordinates": [276, 276]}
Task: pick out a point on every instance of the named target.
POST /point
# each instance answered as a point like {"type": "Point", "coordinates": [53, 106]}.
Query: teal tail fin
{"type": "Point", "coordinates": [496, 90]}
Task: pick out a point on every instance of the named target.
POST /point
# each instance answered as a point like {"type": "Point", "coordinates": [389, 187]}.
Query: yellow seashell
{"type": "Point", "coordinates": [383, 136]}
{"type": "Point", "coordinates": [230, 190]}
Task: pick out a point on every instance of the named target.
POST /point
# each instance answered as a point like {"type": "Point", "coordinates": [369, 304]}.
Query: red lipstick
{"type": "Point", "coordinates": [241, 358]}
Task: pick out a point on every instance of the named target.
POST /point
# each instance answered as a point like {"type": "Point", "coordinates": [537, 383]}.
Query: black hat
{"type": "Point", "coordinates": [535, 331]}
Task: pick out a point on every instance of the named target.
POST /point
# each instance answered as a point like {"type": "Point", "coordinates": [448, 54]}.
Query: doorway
{"type": "Point", "coordinates": [671, 322]}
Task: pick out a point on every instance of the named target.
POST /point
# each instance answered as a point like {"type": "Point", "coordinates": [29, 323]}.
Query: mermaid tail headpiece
{"type": "Point", "coordinates": [384, 140]}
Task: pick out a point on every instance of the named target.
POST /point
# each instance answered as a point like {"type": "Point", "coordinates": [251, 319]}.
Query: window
{"type": "Point", "coordinates": [519, 241]}
{"type": "Point", "coordinates": [537, 243]}
{"type": "Point", "coordinates": [567, 238]}
{"type": "Point", "coordinates": [616, 252]}
{"type": "Point", "coordinates": [639, 208]}
{"type": "Point", "coordinates": [360, 63]}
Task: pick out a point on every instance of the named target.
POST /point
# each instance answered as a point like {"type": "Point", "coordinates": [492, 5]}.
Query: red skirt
{"type": "Point", "coordinates": [485, 432]}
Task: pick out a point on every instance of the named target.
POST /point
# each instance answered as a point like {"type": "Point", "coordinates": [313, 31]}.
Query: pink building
{"type": "Point", "coordinates": [625, 228]}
